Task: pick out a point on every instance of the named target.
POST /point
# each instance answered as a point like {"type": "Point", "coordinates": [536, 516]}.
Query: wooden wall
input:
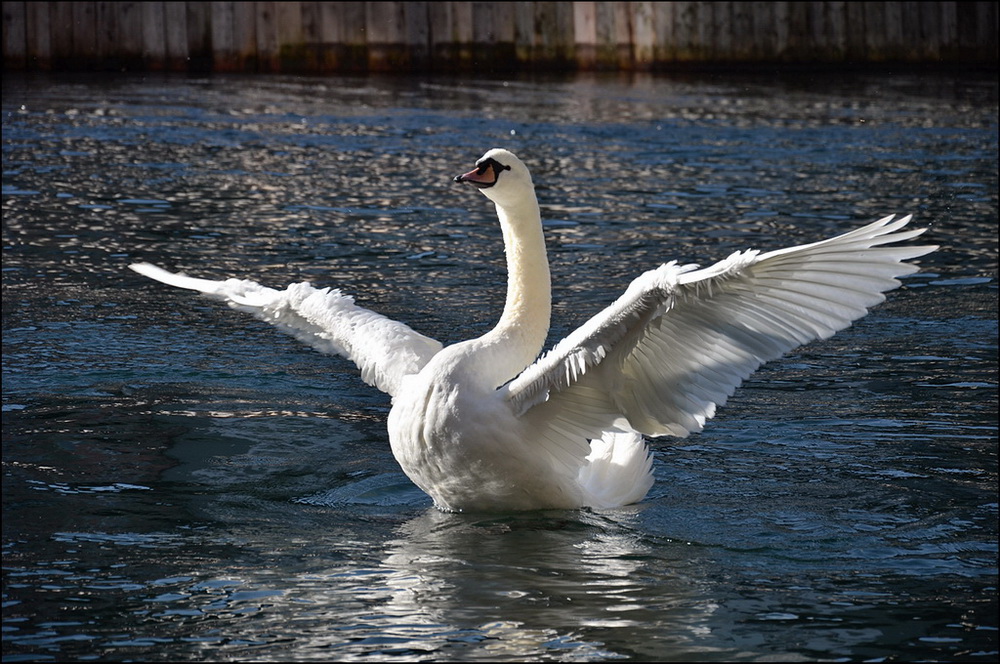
{"type": "Point", "coordinates": [487, 37]}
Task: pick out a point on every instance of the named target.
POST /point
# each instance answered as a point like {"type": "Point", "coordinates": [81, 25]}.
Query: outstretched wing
{"type": "Point", "coordinates": [384, 350]}
{"type": "Point", "coordinates": [680, 340]}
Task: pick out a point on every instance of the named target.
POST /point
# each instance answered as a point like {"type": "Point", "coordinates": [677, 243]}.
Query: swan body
{"type": "Point", "coordinates": [490, 424]}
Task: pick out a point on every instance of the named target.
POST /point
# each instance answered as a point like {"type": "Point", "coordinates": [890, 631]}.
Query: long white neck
{"type": "Point", "coordinates": [520, 334]}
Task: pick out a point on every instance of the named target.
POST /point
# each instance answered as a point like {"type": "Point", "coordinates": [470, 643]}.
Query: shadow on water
{"type": "Point", "coordinates": [181, 483]}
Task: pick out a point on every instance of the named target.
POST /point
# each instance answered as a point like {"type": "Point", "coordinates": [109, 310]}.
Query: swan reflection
{"type": "Point", "coordinates": [531, 582]}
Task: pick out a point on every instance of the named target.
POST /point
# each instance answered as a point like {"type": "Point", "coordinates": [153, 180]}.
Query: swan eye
{"type": "Point", "coordinates": [496, 165]}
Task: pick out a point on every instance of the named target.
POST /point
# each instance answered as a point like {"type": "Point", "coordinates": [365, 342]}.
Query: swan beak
{"type": "Point", "coordinates": [480, 177]}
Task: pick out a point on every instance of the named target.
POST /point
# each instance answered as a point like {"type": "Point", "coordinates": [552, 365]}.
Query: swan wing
{"type": "Point", "coordinates": [680, 340]}
{"type": "Point", "coordinates": [384, 350]}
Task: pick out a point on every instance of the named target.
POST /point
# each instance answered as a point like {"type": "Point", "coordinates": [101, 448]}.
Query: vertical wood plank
{"type": "Point", "coordinates": [38, 36]}
{"type": "Point", "coordinates": [293, 55]}
{"type": "Point", "coordinates": [417, 36]}
{"type": "Point", "coordinates": [199, 36]}
{"type": "Point", "coordinates": [947, 19]}
{"type": "Point", "coordinates": [764, 31]}
{"type": "Point", "coordinates": [104, 19]}
{"type": "Point", "coordinates": [930, 28]}
{"type": "Point", "coordinates": [154, 36]}
{"type": "Point", "coordinates": [685, 31]}
{"type": "Point", "coordinates": [986, 35]}
{"type": "Point", "coordinates": [524, 32]}
{"type": "Point", "coordinates": [585, 35]}
{"type": "Point", "coordinates": [643, 35]}
{"type": "Point", "coordinates": [836, 30]}
{"type": "Point", "coordinates": [15, 39]}
{"type": "Point", "coordinates": [312, 37]}
{"type": "Point", "coordinates": [815, 38]}
{"type": "Point", "coordinates": [857, 49]}
{"type": "Point", "coordinates": [797, 45]}
{"type": "Point", "coordinates": [606, 36]}
{"type": "Point", "coordinates": [348, 37]}
{"type": "Point", "coordinates": [483, 24]}
{"type": "Point", "coordinates": [85, 35]}
{"type": "Point", "coordinates": [722, 32]}
{"type": "Point", "coordinates": [665, 46]}
{"type": "Point", "coordinates": [702, 29]}
{"type": "Point", "coordinates": [175, 35]}
{"type": "Point", "coordinates": [245, 35]}
{"type": "Point", "coordinates": [874, 32]}
{"type": "Point", "coordinates": [742, 35]}
{"type": "Point", "coordinates": [353, 29]}
{"type": "Point", "coordinates": [266, 30]}
{"type": "Point", "coordinates": [622, 39]}
{"type": "Point", "coordinates": [494, 34]}
{"type": "Point", "coordinates": [61, 23]}
{"type": "Point", "coordinates": [223, 49]}
{"type": "Point", "coordinates": [385, 28]}
{"type": "Point", "coordinates": [550, 37]}
{"type": "Point", "coordinates": [893, 46]}
{"type": "Point", "coordinates": [445, 54]}
{"type": "Point", "coordinates": [288, 21]}
{"type": "Point", "coordinates": [129, 36]}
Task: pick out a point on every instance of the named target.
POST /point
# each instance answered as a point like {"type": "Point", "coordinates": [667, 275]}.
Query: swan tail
{"type": "Point", "coordinates": [619, 470]}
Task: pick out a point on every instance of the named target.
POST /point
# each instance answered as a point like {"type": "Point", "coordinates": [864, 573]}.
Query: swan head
{"type": "Point", "coordinates": [501, 176]}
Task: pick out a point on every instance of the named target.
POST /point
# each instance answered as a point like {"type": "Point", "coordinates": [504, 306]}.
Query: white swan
{"type": "Point", "coordinates": [487, 425]}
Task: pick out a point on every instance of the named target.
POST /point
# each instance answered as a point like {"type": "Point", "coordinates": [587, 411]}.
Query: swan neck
{"type": "Point", "coordinates": [523, 327]}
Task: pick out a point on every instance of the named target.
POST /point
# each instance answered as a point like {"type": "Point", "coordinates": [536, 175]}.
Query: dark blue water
{"type": "Point", "coordinates": [181, 482]}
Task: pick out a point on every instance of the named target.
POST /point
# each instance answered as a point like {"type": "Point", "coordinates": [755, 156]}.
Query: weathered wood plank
{"type": "Point", "coordinates": [130, 41]}
{"type": "Point", "coordinates": [584, 35]}
{"type": "Point", "coordinates": [643, 35]}
{"type": "Point", "coordinates": [15, 39]}
{"type": "Point", "coordinates": [685, 31]}
{"type": "Point", "coordinates": [524, 32]}
{"type": "Point", "coordinates": [893, 46]}
{"type": "Point", "coordinates": [664, 48]}
{"type": "Point", "coordinates": [293, 54]}
{"type": "Point", "coordinates": [245, 35]}
{"type": "Point", "coordinates": [622, 38]}
{"type": "Point", "coordinates": [38, 36]}
{"type": "Point", "coordinates": [61, 24]}
{"type": "Point", "coordinates": [199, 36]}
{"type": "Point", "coordinates": [988, 26]}
{"type": "Point", "coordinates": [875, 41]}
{"type": "Point", "coordinates": [175, 35]}
{"type": "Point", "coordinates": [326, 37]}
{"type": "Point", "coordinates": [342, 37]}
{"type": "Point", "coordinates": [836, 31]}
{"type": "Point", "coordinates": [720, 35]}
{"type": "Point", "coordinates": [154, 36]}
{"type": "Point", "coordinates": [607, 36]}
{"type": "Point", "coordinates": [386, 30]}
{"type": "Point", "coordinates": [553, 38]}
{"type": "Point", "coordinates": [266, 30]}
{"type": "Point", "coordinates": [742, 35]}
{"type": "Point", "coordinates": [221, 24]}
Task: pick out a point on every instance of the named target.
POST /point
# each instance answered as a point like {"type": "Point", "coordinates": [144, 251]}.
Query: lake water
{"type": "Point", "coordinates": [182, 482]}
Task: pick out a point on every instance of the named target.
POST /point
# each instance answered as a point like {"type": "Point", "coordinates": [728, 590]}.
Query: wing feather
{"type": "Point", "coordinates": [383, 349]}
{"type": "Point", "coordinates": [680, 340]}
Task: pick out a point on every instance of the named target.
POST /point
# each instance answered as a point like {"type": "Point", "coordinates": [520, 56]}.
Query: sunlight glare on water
{"type": "Point", "coordinates": [184, 483]}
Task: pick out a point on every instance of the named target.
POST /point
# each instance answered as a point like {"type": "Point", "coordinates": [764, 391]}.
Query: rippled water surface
{"type": "Point", "coordinates": [182, 482]}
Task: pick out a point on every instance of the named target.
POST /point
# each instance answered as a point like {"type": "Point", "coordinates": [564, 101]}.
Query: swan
{"type": "Point", "coordinates": [491, 424]}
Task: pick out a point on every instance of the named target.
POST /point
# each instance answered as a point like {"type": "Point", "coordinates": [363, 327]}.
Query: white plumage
{"type": "Point", "coordinates": [487, 425]}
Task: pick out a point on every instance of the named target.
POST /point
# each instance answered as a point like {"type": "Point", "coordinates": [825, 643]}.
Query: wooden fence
{"type": "Point", "coordinates": [487, 37]}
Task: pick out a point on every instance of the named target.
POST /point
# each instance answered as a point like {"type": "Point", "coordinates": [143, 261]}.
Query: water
{"type": "Point", "coordinates": [181, 482]}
